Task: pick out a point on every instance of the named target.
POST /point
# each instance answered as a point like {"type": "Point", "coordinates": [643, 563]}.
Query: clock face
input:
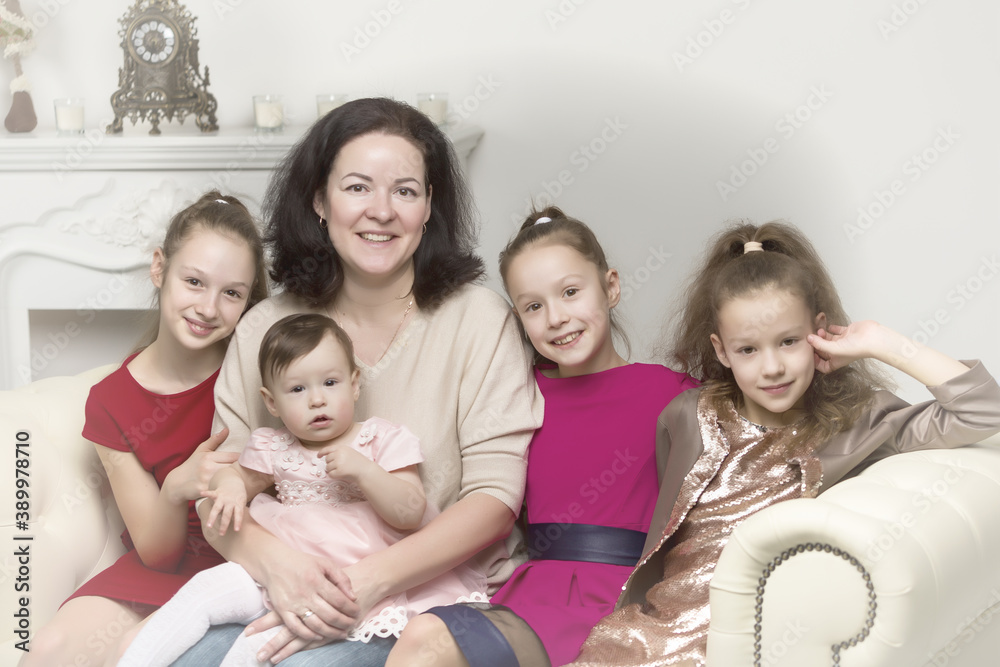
{"type": "Point", "coordinates": [153, 41]}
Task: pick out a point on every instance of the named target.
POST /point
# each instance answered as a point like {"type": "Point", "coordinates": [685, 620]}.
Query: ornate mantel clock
{"type": "Point", "coordinates": [160, 78]}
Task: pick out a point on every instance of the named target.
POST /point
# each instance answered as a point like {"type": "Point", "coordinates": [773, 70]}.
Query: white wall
{"type": "Point", "coordinates": [886, 79]}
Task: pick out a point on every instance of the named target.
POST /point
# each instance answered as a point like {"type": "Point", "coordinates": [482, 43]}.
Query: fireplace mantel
{"type": "Point", "coordinates": [232, 149]}
{"type": "Point", "coordinates": [80, 218]}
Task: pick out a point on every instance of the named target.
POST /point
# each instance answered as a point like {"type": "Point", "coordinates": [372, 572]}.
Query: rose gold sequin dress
{"type": "Point", "coordinates": [746, 468]}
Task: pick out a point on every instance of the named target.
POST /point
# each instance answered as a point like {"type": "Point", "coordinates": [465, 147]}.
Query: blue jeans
{"type": "Point", "coordinates": [217, 641]}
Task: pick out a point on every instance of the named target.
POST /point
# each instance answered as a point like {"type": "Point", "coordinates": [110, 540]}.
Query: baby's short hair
{"type": "Point", "coordinates": [295, 336]}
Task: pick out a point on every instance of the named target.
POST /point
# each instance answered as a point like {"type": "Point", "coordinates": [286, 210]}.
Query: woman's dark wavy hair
{"type": "Point", "coordinates": [572, 233]}
{"type": "Point", "coordinates": [303, 258]}
{"type": "Point", "coordinates": [834, 401]}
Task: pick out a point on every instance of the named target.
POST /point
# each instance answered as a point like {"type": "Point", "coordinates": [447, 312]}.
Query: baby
{"type": "Point", "coordinates": [346, 489]}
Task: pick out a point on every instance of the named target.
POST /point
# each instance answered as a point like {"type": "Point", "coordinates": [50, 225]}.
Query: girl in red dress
{"type": "Point", "coordinates": [150, 421]}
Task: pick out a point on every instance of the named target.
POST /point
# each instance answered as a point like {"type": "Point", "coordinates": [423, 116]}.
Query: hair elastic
{"type": "Point", "coordinates": [752, 246]}
{"type": "Point", "coordinates": [222, 201]}
{"type": "Point", "coordinates": [542, 220]}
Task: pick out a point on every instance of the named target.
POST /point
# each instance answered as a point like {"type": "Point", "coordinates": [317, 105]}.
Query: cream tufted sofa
{"type": "Point", "coordinates": [74, 523]}
{"type": "Point", "coordinates": [898, 567]}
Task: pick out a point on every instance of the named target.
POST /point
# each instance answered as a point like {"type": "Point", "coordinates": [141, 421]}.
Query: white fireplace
{"type": "Point", "coordinates": [78, 223]}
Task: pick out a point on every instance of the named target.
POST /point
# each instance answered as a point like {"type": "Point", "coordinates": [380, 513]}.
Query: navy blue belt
{"type": "Point", "coordinates": [584, 542]}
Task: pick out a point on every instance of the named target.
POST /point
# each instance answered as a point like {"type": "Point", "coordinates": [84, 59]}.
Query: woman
{"type": "Point", "coordinates": [354, 235]}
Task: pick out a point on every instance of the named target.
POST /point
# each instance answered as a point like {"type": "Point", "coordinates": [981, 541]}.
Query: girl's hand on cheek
{"type": "Point", "coordinates": [837, 346]}
{"type": "Point", "coordinates": [822, 353]}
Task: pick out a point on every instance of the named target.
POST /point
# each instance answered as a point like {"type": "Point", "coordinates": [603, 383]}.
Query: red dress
{"type": "Point", "coordinates": [593, 461]}
{"type": "Point", "coordinates": [161, 431]}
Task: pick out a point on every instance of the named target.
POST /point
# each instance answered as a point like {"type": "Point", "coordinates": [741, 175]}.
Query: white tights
{"type": "Point", "coordinates": [222, 594]}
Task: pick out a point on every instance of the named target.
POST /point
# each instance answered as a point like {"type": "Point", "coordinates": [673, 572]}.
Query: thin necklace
{"type": "Point", "coordinates": [394, 334]}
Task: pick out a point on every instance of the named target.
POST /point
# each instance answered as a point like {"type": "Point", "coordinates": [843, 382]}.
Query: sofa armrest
{"type": "Point", "coordinates": [73, 528]}
{"type": "Point", "coordinates": [897, 566]}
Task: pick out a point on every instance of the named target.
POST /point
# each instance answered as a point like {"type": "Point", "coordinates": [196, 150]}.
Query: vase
{"type": "Point", "coordinates": [22, 116]}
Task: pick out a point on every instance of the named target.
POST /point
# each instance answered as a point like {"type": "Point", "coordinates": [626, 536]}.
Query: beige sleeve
{"type": "Point", "coordinates": [500, 405]}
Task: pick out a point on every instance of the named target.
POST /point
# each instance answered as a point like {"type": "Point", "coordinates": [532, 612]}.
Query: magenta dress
{"type": "Point", "coordinates": [593, 461]}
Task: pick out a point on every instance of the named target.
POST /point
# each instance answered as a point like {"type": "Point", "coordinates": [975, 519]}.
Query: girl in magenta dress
{"type": "Point", "coordinates": [345, 490]}
{"type": "Point", "coordinates": [592, 475]}
{"type": "Point", "coordinates": [150, 421]}
{"type": "Point", "coordinates": [592, 462]}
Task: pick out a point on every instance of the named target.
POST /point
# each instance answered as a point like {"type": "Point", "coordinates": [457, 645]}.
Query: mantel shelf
{"type": "Point", "coordinates": [226, 149]}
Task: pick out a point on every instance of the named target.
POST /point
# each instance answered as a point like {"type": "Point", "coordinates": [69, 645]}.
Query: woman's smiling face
{"type": "Point", "coordinates": [375, 203]}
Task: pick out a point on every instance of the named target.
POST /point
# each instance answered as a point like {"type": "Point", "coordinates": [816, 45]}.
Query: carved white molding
{"type": "Point", "coordinates": [139, 220]}
{"type": "Point", "coordinates": [116, 216]}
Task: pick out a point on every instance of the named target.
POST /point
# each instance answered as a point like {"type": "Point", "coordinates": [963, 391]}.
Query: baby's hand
{"type": "Point", "coordinates": [344, 462]}
{"type": "Point", "coordinates": [230, 499]}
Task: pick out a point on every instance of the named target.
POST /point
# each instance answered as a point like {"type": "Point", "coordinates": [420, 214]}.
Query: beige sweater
{"type": "Point", "coordinates": [458, 376]}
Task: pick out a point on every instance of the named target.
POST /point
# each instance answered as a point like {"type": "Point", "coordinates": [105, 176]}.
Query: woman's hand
{"type": "Point", "coordinates": [305, 583]}
{"type": "Point", "coordinates": [190, 480]}
{"type": "Point", "coordinates": [363, 584]}
{"type": "Point", "coordinates": [287, 642]}
{"type": "Point", "coordinates": [289, 648]}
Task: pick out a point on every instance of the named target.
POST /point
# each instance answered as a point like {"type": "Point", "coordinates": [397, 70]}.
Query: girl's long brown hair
{"type": "Point", "coordinates": [834, 401]}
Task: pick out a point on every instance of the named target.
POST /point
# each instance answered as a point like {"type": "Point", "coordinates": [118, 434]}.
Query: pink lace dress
{"type": "Point", "coordinates": [332, 518]}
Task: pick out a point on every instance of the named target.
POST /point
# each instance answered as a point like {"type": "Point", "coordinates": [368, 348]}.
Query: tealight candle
{"type": "Point", "coordinates": [268, 113]}
{"type": "Point", "coordinates": [69, 115]}
{"type": "Point", "coordinates": [434, 106]}
{"type": "Point", "coordinates": [328, 102]}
